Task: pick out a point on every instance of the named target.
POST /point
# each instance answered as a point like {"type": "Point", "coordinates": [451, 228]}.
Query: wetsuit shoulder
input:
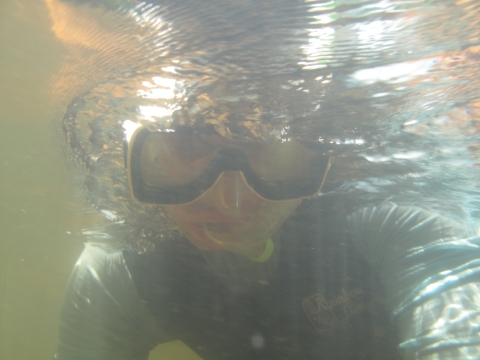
{"type": "Point", "coordinates": [102, 315]}
{"type": "Point", "coordinates": [429, 267]}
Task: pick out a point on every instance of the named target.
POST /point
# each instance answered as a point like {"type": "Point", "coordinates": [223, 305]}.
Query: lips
{"type": "Point", "coordinates": [199, 238]}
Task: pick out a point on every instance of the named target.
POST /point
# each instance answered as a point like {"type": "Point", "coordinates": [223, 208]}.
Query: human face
{"type": "Point", "coordinates": [230, 216]}
{"type": "Point", "coordinates": [223, 194]}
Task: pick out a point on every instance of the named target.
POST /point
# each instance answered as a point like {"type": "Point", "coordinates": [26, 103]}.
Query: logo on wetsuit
{"type": "Point", "coordinates": [329, 313]}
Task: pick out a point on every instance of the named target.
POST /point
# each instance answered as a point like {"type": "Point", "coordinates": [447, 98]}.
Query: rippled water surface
{"type": "Point", "coordinates": [392, 86]}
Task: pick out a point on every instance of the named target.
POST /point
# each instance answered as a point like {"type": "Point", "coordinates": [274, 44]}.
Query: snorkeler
{"type": "Point", "coordinates": [227, 232]}
{"type": "Point", "coordinates": [264, 287]}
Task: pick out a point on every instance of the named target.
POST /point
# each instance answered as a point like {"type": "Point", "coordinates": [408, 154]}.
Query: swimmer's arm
{"type": "Point", "coordinates": [102, 315]}
{"type": "Point", "coordinates": [429, 268]}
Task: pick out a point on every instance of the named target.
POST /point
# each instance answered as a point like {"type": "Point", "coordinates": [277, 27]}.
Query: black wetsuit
{"type": "Point", "coordinates": [319, 296]}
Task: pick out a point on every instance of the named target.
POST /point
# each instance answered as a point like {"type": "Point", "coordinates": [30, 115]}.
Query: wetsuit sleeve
{"type": "Point", "coordinates": [430, 268]}
{"type": "Point", "coordinates": [103, 316]}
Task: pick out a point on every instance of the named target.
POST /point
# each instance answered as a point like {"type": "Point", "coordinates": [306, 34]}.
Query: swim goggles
{"type": "Point", "coordinates": [177, 167]}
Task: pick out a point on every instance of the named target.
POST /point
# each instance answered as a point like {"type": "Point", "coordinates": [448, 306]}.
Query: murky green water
{"type": "Point", "coordinates": [37, 208]}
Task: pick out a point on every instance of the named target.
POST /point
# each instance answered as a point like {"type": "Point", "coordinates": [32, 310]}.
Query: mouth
{"type": "Point", "coordinates": [213, 235]}
{"type": "Point", "coordinates": [200, 239]}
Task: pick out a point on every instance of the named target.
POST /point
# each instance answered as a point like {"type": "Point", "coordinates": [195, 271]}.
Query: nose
{"type": "Point", "coordinates": [229, 190]}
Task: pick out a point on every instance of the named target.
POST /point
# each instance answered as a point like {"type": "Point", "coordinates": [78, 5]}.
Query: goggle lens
{"type": "Point", "coordinates": [175, 168]}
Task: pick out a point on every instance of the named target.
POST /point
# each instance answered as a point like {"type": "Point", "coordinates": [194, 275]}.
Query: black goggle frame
{"type": "Point", "coordinates": [225, 160]}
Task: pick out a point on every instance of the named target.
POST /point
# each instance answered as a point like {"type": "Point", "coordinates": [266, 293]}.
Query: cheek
{"type": "Point", "coordinates": [281, 210]}
{"type": "Point", "coordinates": [176, 213]}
